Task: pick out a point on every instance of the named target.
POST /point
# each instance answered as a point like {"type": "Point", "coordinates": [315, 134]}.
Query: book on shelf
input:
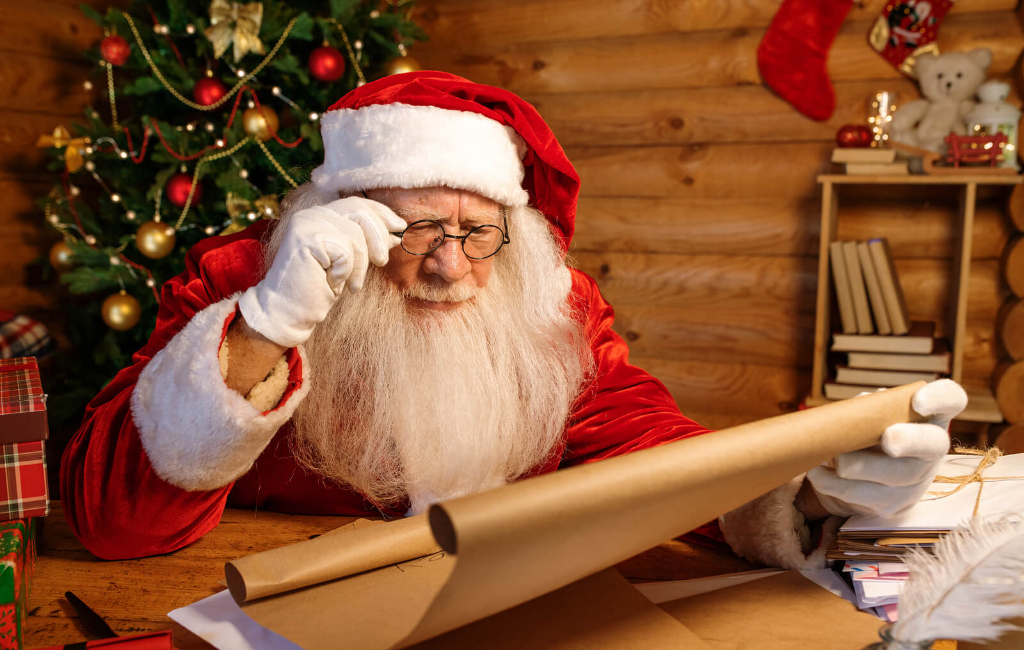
{"type": "Point", "coordinates": [889, 281]}
{"type": "Point", "coordinates": [885, 169]}
{"type": "Point", "coordinates": [918, 340]}
{"type": "Point", "coordinates": [884, 378]}
{"type": "Point", "coordinates": [865, 155]}
{"type": "Point", "coordinates": [867, 266]}
{"type": "Point", "coordinates": [844, 297]}
{"type": "Point", "coordinates": [937, 361]}
{"type": "Point", "coordinates": [857, 288]}
{"type": "Point", "coordinates": [846, 391]}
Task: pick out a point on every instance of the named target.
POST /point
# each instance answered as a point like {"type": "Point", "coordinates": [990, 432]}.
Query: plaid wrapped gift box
{"type": "Point", "coordinates": [21, 336]}
{"type": "Point", "coordinates": [23, 488]}
{"type": "Point", "coordinates": [17, 564]}
{"type": "Point", "coordinates": [22, 401]}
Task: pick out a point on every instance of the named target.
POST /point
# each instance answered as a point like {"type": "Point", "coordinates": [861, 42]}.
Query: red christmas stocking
{"type": "Point", "coordinates": [794, 51]}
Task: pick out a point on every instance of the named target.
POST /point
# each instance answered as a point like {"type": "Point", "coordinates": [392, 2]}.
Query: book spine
{"type": "Point", "coordinates": [895, 305]}
{"type": "Point", "coordinates": [857, 289]}
{"type": "Point", "coordinates": [874, 290]}
{"type": "Point", "coordinates": [842, 285]}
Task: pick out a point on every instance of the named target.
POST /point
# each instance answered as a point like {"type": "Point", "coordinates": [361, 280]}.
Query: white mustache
{"type": "Point", "coordinates": [440, 293]}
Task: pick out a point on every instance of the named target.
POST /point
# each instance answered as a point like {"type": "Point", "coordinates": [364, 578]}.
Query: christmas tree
{"type": "Point", "coordinates": [210, 116]}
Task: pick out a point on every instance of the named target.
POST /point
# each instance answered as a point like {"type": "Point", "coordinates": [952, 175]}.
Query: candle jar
{"type": "Point", "coordinates": [889, 643]}
{"type": "Point", "coordinates": [881, 106]}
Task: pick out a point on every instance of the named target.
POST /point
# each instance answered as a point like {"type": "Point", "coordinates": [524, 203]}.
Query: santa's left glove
{"type": "Point", "coordinates": [895, 474]}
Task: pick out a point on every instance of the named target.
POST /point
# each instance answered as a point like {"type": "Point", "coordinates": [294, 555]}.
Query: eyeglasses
{"type": "Point", "coordinates": [424, 237]}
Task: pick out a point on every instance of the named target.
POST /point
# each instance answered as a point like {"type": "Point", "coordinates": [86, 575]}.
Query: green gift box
{"type": "Point", "coordinates": [17, 563]}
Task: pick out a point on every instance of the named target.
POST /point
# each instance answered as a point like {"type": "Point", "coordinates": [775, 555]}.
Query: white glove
{"type": "Point", "coordinates": [894, 475]}
{"type": "Point", "coordinates": [325, 249]}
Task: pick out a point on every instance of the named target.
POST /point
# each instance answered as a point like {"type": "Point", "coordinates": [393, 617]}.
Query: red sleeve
{"type": "Point", "coordinates": [624, 409]}
{"type": "Point", "coordinates": [113, 500]}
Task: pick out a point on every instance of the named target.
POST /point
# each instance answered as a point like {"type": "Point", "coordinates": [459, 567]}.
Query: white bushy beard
{"type": "Point", "coordinates": [435, 405]}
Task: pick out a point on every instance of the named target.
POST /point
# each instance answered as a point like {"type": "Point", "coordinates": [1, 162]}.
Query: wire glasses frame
{"type": "Point", "coordinates": [442, 236]}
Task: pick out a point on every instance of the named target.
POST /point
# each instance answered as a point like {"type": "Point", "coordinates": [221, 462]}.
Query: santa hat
{"type": "Point", "coordinates": [429, 128]}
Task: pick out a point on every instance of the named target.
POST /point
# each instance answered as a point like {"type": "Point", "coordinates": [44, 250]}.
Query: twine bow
{"type": "Point", "coordinates": [238, 23]}
{"type": "Point", "coordinates": [989, 458]}
{"type": "Point", "coordinates": [74, 147]}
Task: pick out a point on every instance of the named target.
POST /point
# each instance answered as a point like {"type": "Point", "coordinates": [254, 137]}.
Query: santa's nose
{"type": "Point", "coordinates": [448, 261]}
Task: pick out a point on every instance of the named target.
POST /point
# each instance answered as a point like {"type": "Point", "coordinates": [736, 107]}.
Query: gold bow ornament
{"type": "Point", "coordinates": [265, 207]}
{"type": "Point", "coordinates": [238, 23]}
{"type": "Point", "coordinates": [74, 147]}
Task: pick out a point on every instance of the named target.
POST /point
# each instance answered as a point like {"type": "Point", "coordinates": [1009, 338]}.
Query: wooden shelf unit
{"type": "Point", "coordinates": [983, 407]}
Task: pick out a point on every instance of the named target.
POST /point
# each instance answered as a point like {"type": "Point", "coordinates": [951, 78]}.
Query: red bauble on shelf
{"type": "Point", "coordinates": [177, 189]}
{"type": "Point", "coordinates": [208, 91]}
{"type": "Point", "coordinates": [326, 63]}
{"type": "Point", "coordinates": [854, 135]}
{"type": "Point", "coordinates": [115, 50]}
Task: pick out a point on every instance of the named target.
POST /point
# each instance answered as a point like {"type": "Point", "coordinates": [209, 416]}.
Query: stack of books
{"type": "Point", "coordinates": [869, 161]}
{"type": "Point", "coordinates": [884, 348]}
{"type": "Point", "coordinates": [870, 550]}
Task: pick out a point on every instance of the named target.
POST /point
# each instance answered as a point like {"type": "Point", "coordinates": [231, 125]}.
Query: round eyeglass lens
{"type": "Point", "coordinates": [423, 237]}
{"type": "Point", "coordinates": [482, 242]}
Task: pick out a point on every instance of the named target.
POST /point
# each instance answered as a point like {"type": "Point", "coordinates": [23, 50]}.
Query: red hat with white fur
{"type": "Point", "coordinates": [429, 128]}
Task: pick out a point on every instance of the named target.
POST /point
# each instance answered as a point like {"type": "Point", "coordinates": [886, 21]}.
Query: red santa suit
{"type": "Point", "coordinates": [166, 446]}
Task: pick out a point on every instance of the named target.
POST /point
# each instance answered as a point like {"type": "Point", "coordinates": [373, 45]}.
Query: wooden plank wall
{"type": "Point", "coordinates": [699, 213]}
{"type": "Point", "coordinates": [41, 75]}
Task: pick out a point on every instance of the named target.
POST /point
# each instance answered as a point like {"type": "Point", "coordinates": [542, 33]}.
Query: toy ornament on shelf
{"type": "Point", "coordinates": [994, 116]}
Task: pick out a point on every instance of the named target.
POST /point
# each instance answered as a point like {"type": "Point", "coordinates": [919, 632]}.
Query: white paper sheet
{"type": "Point", "coordinates": [954, 511]}
{"type": "Point", "coordinates": [220, 622]}
{"type": "Point", "coordinates": [669, 590]}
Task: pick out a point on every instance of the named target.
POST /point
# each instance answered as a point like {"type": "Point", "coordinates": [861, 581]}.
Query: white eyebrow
{"type": "Point", "coordinates": [423, 213]}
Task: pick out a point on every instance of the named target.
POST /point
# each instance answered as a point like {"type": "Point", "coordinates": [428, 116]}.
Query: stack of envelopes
{"type": "Point", "coordinates": [872, 548]}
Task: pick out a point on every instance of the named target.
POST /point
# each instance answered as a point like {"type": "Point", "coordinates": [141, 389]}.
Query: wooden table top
{"type": "Point", "coordinates": [135, 595]}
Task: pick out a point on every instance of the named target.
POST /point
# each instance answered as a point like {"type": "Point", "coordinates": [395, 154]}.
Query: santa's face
{"type": "Point", "coordinates": [445, 279]}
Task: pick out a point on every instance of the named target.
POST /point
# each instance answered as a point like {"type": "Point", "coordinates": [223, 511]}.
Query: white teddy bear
{"type": "Point", "coordinates": [948, 83]}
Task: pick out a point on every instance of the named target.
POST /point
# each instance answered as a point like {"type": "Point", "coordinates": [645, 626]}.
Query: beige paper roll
{"type": "Point", "coordinates": [510, 545]}
{"type": "Point", "coordinates": [359, 546]}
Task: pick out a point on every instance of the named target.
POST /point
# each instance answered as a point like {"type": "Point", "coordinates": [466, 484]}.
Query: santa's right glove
{"type": "Point", "coordinates": [895, 474]}
{"type": "Point", "coordinates": [326, 249]}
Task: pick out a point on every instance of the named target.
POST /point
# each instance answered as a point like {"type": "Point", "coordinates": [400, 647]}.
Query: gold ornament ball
{"type": "Point", "coordinates": [262, 125]}
{"type": "Point", "coordinates": [155, 240]}
{"type": "Point", "coordinates": [62, 257]}
{"type": "Point", "coordinates": [121, 312]}
{"type": "Point", "coordinates": [402, 64]}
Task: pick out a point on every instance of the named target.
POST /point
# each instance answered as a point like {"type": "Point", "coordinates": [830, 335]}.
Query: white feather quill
{"type": "Point", "coordinates": [970, 588]}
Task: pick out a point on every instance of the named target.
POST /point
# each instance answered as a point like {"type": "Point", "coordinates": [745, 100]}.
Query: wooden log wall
{"type": "Point", "coordinates": [41, 75]}
{"type": "Point", "coordinates": [700, 208]}
{"type": "Point", "coordinates": [699, 213]}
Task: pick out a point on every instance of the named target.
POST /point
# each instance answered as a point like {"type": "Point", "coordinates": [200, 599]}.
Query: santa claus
{"type": "Point", "coordinates": [410, 332]}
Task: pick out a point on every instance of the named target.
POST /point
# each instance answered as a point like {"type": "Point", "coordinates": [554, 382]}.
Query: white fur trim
{"type": "Point", "coordinates": [398, 145]}
{"type": "Point", "coordinates": [771, 530]}
{"type": "Point", "coordinates": [198, 433]}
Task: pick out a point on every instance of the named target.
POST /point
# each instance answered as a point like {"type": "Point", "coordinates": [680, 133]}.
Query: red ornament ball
{"type": "Point", "coordinates": [854, 135]}
{"type": "Point", "coordinates": [208, 91]}
{"type": "Point", "coordinates": [115, 50]}
{"type": "Point", "coordinates": [326, 63]}
{"type": "Point", "coordinates": [178, 187]}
